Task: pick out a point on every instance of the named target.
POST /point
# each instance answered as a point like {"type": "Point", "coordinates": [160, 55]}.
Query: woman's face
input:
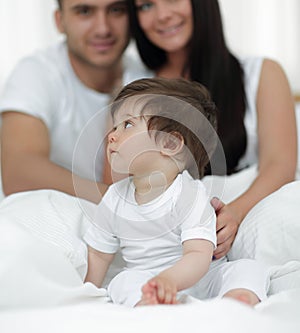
{"type": "Point", "coordinates": [167, 23]}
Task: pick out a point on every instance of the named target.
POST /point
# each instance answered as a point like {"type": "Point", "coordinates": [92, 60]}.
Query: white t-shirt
{"type": "Point", "coordinates": [45, 86]}
{"type": "Point", "coordinates": [150, 236]}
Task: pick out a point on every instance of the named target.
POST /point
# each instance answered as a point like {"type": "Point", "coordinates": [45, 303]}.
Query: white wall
{"type": "Point", "coordinates": [266, 27]}
{"type": "Point", "coordinates": [25, 25]}
{"type": "Point", "coordinates": [259, 27]}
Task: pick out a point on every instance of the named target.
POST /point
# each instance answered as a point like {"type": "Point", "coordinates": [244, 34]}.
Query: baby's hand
{"type": "Point", "coordinates": [159, 290]}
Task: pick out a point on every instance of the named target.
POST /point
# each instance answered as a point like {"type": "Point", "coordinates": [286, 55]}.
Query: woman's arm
{"type": "Point", "coordinates": [277, 148]}
{"type": "Point", "coordinates": [98, 264]}
{"type": "Point", "coordinates": [185, 273]}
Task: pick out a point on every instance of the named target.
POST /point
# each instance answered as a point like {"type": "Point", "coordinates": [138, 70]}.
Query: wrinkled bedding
{"type": "Point", "coordinates": [45, 229]}
{"type": "Point", "coordinates": [43, 263]}
{"type": "Point", "coordinates": [277, 315]}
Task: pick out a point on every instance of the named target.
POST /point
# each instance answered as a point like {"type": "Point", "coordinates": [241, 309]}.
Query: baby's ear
{"type": "Point", "coordinates": [172, 143]}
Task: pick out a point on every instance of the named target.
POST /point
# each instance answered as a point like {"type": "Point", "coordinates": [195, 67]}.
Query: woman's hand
{"type": "Point", "coordinates": [227, 226]}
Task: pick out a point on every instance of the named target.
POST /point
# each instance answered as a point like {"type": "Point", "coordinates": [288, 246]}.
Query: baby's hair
{"type": "Point", "coordinates": [177, 106]}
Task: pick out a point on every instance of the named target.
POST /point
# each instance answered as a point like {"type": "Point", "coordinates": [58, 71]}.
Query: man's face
{"type": "Point", "coordinates": [96, 31]}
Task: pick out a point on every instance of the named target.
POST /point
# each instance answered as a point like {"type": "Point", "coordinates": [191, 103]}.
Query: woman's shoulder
{"type": "Point", "coordinates": [254, 65]}
{"type": "Point", "coordinates": [257, 69]}
{"type": "Point", "coordinates": [272, 67]}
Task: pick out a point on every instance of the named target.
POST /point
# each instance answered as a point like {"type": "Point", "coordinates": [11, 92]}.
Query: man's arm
{"type": "Point", "coordinates": [26, 165]}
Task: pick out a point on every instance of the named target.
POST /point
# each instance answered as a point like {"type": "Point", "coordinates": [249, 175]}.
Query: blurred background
{"type": "Point", "coordinates": [270, 28]}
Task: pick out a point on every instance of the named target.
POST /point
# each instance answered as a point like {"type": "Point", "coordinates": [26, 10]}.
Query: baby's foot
{"type": "Point", "coordinates": [243, 295]}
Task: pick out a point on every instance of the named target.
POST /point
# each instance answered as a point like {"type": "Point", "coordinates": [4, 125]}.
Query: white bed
{"type": "Point", "coordinates": [277, 315]}
{"type": "Point", "coordinates": [43, 262]}
{"type": "Point", "coordinates": [51, 297]}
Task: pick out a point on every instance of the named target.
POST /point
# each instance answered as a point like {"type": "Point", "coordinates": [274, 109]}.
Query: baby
{"type": "Point", "coordinates": [160, 215]}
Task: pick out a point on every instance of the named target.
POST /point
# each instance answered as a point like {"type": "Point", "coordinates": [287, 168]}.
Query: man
{"type": "Point", "coordinates": [51, 96]}
{"type": "Point", "coordinates": [50, 110]}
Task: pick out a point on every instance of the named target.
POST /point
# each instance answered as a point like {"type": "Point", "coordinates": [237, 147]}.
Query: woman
{"type": "Point", "coordinates": [185, 38]}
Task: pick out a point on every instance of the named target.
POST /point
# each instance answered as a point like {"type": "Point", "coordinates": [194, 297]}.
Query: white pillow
{"type": "Point", "coordinates": [53, 217]}
{"type": "Point", "coordinates": [270, 233]}
{"type": "Point", "coordinates": [271, 230]}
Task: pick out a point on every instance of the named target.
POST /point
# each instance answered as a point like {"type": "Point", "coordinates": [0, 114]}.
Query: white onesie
{"type": "Point", "coordinates": [150, 236]}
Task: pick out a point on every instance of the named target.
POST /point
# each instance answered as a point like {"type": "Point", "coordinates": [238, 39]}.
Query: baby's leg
{"type": "Point", "coordinates": [243, 295]}
{"type": "Point", "coordinates": [245, 280]}
{"type": "Point", "coordinates": [126, 287]}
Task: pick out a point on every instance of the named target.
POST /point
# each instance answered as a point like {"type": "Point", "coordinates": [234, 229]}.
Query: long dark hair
{"type": "Point", "coordinates": [211, 63]}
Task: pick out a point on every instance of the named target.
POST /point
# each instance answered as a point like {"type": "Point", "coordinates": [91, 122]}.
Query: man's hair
{"type": "Point", "coordinates": [59, 2]}
{"type": "Point", "coordinates": [177, 106]}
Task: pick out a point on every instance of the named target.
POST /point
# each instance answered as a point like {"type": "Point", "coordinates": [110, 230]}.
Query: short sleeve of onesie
{"type": "Point", "coordinates": [100, 234]}
{"type": "Point", "coordinates": [195, 211]}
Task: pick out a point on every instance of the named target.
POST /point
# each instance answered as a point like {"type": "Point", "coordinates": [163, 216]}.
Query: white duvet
{"type": "Point", "coordinates": [279, 314]}
{"type": "Point", "coordinates": [43, 261]}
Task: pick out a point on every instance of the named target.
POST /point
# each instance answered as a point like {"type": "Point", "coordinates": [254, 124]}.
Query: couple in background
{"type": "Point", "coordinates": [51, 95]}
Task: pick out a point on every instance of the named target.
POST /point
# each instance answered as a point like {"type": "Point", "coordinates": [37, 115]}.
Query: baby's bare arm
{"type": "Point", "coordinates": [98, 264]}
{"type": "Point", "coordinates": [197, 256]}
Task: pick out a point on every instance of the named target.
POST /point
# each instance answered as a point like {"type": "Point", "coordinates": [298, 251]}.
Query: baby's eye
{"type": "Point", "coordinates": [127, 124]}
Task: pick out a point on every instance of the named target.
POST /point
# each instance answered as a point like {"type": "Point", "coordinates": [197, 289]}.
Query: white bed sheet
{"type": "Point", "coordinates": [51, 297]}
{"type": "Point", "coordinates": [277, 315]}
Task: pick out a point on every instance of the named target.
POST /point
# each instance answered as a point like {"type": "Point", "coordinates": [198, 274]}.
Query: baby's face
{"type": "Point", "coordinates": [131, 149]}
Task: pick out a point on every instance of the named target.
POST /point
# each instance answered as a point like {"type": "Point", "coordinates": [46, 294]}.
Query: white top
{"type": "Point", "coordinates": [252, 69]}
{"type": "Point", "coordinates": [150, 236]}
{"type": "Point", "coordinates": [45, 86]}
